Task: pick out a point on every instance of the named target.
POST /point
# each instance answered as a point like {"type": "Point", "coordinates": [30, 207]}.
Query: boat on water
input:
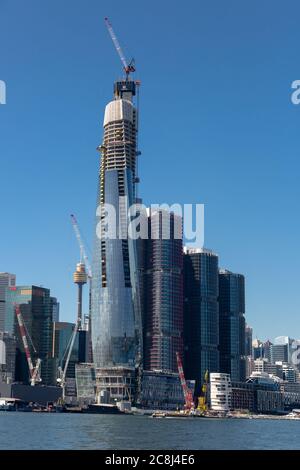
{"type": "Point", "coordinates": [158, 414]}
{"type": "Point", "coordinates": [102, 408]}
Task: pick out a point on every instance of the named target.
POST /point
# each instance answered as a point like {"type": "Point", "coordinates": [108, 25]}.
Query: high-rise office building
{"type": "Point", "coordinates": [279, 353]}
{"type": "Point", "coordinates": [62, 333]}
{"type": "Point", "coordinates": [249, 366]}
{"type": "Point", "coordinates": [282, 349]}
{"type": "Point", "coordinates": [290, 373]}
{"type": "Point", "coordinates": [257, 349]}
{"type": "Point", "coordinates": [7, 357]}
{"type": "Point", "coordinates": [249, 361]}
{"type": "Point", "coordinates": [55, 309]}
{"type": "Point", "coordinates": [263, 365]}
{"type": "Point", "coordinates": [201, 314]}
{"type": "Point", "coordinates": [267, 349]}
{"type": "Point", "coordinates": [6, 280]}
{"type": "Point", "coordinates": [232, 324]}
{"type": "Point", "coordinates": [163, 291]}
{"type": "Point", "coordinates": [115, 302]}
{"type": "Point", "coordinates": [248, 340]}
{"type": "Point", "coordinates": [35, 306]}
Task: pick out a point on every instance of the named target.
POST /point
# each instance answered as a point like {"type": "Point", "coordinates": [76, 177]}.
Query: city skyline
{"type": "Point", "coordinates": [46, 253]}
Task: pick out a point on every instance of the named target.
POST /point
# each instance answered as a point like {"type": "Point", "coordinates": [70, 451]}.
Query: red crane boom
{"type": "Point", "coordinates": [188, 396]}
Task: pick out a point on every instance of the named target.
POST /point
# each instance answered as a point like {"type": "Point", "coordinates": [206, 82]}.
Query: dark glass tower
{"type": "Point", "coordinates": [163, 292]}
{"type": "Point", "coordinates": [232, 324]}
{"type": "Point", "coordinates": [201, 314]}
{"type": "Point", "coordinates": [248, 341]}
{"type": "Point", "coordinates": [115, 307]}
{"type": "Point", "coordinates": [6, 280]}
{"type": "Point", "coordinates": [36, 308]}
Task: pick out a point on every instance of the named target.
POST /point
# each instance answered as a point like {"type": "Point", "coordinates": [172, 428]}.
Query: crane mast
{"type": "Point", "coordinates": [34, 371]}
{"type": "Point", "coordinates": [188, 396]}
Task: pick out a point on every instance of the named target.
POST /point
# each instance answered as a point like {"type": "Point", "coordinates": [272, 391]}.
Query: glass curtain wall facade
{"type": "Point", "coordinates": [163, 292]}
{"type": "Point", "coordinates": [6, 280]}
{"type": "Point", "coordinates": [201, 314]}
{"type": "Point", "coordinates": [36, 310]}
{"type": "Point", "coordinates": [115, 304]}
{"type": "Point", "coordinates": [248, 340]}
{"type": "Point", "coordinates": [232, 325]}
{"type": "Point", "coordinates": [62, 333]}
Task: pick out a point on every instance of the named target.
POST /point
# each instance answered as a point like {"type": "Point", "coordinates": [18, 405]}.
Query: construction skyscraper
{"type": "Point", "coordinates": [115, 308]}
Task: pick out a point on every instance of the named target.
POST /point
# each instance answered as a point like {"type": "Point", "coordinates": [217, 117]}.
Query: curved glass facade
{"type": "Point", "coordinates": [114, 299]}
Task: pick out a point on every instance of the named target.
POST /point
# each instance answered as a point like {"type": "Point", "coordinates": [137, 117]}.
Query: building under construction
{"type": "Point", "coordinates": [115, 302]}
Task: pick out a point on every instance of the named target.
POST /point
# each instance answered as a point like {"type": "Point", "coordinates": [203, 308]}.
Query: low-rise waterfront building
{"type": "Point", "coordinates": [85, 382]}
{"type": "Point", "coordinates": [161, 390]}
{"type": "Point", "coordinates": [220, 392]}
{"type": "Point", "coordinates": [259, 394]}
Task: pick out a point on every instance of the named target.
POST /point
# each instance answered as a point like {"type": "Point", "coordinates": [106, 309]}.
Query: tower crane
{"type": "Point", "coordinates": [83, 254]}
{"type": "Point", "coordinates": [34, 370]}
{"type": "Point", "coordinates": [61, 380]}
{"type": "Point", "coordinates": [128, 68]}
{"type": "Point", "coordinates": [188, 396]}
{"type": "Point", "coordinates": [83, 269]}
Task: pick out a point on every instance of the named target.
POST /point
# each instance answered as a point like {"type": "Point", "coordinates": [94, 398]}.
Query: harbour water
{"type": "Point", "coordinates": [66, 431]}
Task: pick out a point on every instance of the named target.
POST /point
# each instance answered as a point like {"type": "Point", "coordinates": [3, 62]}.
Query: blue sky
{"type": "Point", "coordinates": [217, 127]}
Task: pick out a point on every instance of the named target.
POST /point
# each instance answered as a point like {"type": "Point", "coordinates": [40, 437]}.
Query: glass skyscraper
{"type": "Point", "coordinates": [36, 310]}
{"type": "Point", "coordinates": [248, 340]}
{"type": "Point", "coordinates": [163, 292]}
{"type": "Point", "coordinates": [62, 332]}
{"type": "Point", "coordinates": [6, 280]}
{"type": "Point", "coordinates": [115, 303]}
{"type": "Point", "coordinates": [201, 314]}
{"type": "Point", "coordinates": [232, 324]}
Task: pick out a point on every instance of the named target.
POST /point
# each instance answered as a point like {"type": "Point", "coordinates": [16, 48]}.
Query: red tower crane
{"type": "Point", "coordinates": [128, 68]}
{"type": "Point", "coordinates": [34, 371]}
{"type": "Point", "coordinates": [188, 396]}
